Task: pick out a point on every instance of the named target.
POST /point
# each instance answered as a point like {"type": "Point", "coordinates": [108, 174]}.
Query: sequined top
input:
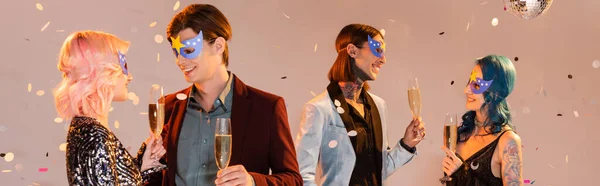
{"type": "Point", "coordinates": [96, 157]}
{"type": "Point", "coordinates": [477, 169]}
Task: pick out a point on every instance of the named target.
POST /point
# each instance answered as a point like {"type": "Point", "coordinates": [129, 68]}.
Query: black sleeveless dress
{"type": "Point", "coordinates": [477, 170]}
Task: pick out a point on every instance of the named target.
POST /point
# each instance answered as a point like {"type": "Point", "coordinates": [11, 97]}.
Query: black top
{"type": "Point", "coordinates": [367, 169]}
{"type": "Point", "coordinates": [477, 169]}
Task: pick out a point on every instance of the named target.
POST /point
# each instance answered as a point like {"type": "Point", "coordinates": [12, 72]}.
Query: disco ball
{"type": "Point", "coordinates": [527, 9]}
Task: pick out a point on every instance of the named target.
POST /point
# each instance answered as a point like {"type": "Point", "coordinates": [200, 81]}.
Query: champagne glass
{"type": "Point", "coordinates": [414, 99]}
{"type": "Point", "coordinates": [450, 137]}
{"type": "Point", "coordinates": [156, 110]}
{"type": "Point", "coordinates": [223, 142]}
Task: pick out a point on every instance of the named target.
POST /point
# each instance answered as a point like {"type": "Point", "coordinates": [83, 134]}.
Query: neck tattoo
{"type": "Point", "coordinates": [352, 90]}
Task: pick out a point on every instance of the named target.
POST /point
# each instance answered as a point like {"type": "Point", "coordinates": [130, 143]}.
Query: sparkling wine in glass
{"type": "Point", "coordinates": [156, 110]}
{"type": "Point", "coordinates": [414, 100]}
{"type": "Point", "coordinates": [450, 137]}
{"type": "Point", "coordinates": [223, 142]}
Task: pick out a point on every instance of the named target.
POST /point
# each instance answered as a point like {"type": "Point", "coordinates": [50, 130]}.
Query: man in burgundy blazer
{"type": "Point", "coordinates": [263, 151]}
{"type": "Point", "coordinates": [260, 133]}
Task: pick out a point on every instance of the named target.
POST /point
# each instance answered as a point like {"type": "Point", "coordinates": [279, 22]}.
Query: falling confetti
{"type": "Point", "coordinates": [176, 5]}
{"type": "Point", "coordinates": [495, 22]}
{"type": "Point", "coordinates": [9, 156]}
{"type": "Point", "coordinates": [45, 26]}
{"type": "Point", "coordinates": [2, 155]}
{"type": "Point", "coordinates": [133, 29]}
{"type": "Point", "coordinates": [284, 77]}
{"type": "Point", "coordinates": [483, 3]}
{"type": "Point", "coordinates": [536, 148]}
{"type": "Point", "coordinates": [60, 30]}
{"type": "Point", "coordinates": [526, 181]}
{"type": "Point", "coordinates": [576, 114]}
{"type": "Point", "coordinates": [152, 24]}
{"type": "Point", "coordinates": [315, 47]}
{"type": "Point", "coordinates": [312, 93]}
{"type": "Point", "coordinates": [468, 24]}
{"type": "Point", "coordinates": [532, 182]}
{"type": "Point", "coordinates": [332, 144]}
{"type": "Point", "coordinates": [596, 64]}
{"type": "Point", "coordinates": [158, 57]}
{"type": "Point", "coordinates": [29, 87]}
{"type": "Point", "coordinates": [58, 120]}
{"type": "Point", "coordinates": [340, 110]}
{"type": "Point", "coordinates": [567, 158]}
{"type": "Point", "coordinates": [19, 167]}
{"type": "Point", "coordinates": [117, 124]}
{"type": "Point", "coordinates": [516, 58]}
{"type": "Point", "coordinates": [111, 109]}
{"type": "Point", "coordinates": [6, 171]}
{"type": "Point", "coordinates": [2, 128]}
{"type": "Point", "coordinates": [526, 110]}
{"type": "Point", "coordinates": [34, 183]}
{"type": "Point", "coordinates": [451, 82]}
{"type": "Point", "coordinates": [558, 114]}
{"type": "Point", "coordinates": [40, 92]}
{"type": "Point", "coordinates": [181, 96]}
{"type": "Point", "coordinates": [352, 133]}
{"type": "Point", "coordinates": [285, 15]}
{"type": "Point", "coordinates": [62, 147]}
{"type": "Point", "coordinates": [158, 38]}
{"type": "Point", "coordinates": [143, 113]}
{"type": "Point", "coordinates": [382, 31]}
{"type": "Point", "coordinates": [39, 6]}
{"type": "Point", "coordinates": [570, 76]}
{"type": "Point", "coordinates": [337, 103]}
{"type": "Point", "coordinates": [134, 98]}
{"type": "Point", "coordinates": [43, 169]}
{"type": "Point", "coordinates": [46, 154]}
{"type": "Point", "coordinates": [550, 166]}
{"type": "Point", "coordinates": [442, 33]}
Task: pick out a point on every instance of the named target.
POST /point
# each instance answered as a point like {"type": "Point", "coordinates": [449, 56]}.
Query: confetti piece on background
{"type": "Point", "coordinates": [134, 98]}
{"type": "Point", "coordinates": [570, 76]}
{"type": "Point", "coordinates": [158, 57]}
{"type": "Point", "coordinates": [495, 22]}
{"type": "Point", "coordinates": [576, 114]}
{"type": "Point", "coordinates": [550, 166]}
{"type": "Point", "coordinates": [567, 158]}
{"type": "Point", "coordinates": [9, 156]}
{"type": "Point", "coordinates": [6, 171]}
{"type": "Point", "coordinates": [2, 128]}
{"type": "Point", "coordinates": [39, 6]}
{"type": "Point", "coordinates": [352, 133]}
{"type": "Point", "coordinates": [315, 47]}
{"type": "Point", "coordinates": [340, 110]}
{"type": "Point", "coordinates": [312, 93]}
{"type": "Point", "coordinates": [158, 38]}
{"type": "Point", "coordinates": [34, 183]}
{"type": "Point", "coordinates": [483, 3]}
{"type": "Point", "coordinates": [284, 77]}
{"type": "Point", "coordinates": [152, 24]}
{"type": "Point", "coordinates": [596, 64]}
{"type": "Point", "coordinates": [536, 148]}
{"type": "Point", "coordinates": [43, 169]}
{"type": "Point", "coordinates": [452, 83]}
{"type": "Point", "coordinates": [181, 96]}
{"type": "Point", "coordinates": [29, 87]}
{"type": "Point", "coordinates": [558, 114]}
{"type": "Point", "coordinates": [332, 144]}
{"type": "Point", "coordinates": [143, 113]}
{"type": "Point", "coordinates": [285, 15]}
{"type": "Point", "coordinates": [468, 24]}
{"type": "Point", "coordinates": [45, 26]}
{"type": "Point", "coordinates": [19, 167]}
{"type": "Point", "coordinates": [391, 20]}
{"type": "Point", "coordinates": [516, 58]}
{"type": "Point", "coordinates": [40, 92]}
{"type": "Point", "coordinates": [382, 32]}
{"type": "Point", "coordinates": [176, 6]}
{"type": "Point", "coordinates": [111, 109]}
{"type": "Point", "coordinates": [58, 120]}
{"type": "Point", "coordinates": [46, 154]}
{"type": "Point", "coordinates": [60, 30]}
{"type": "Point", "coordinates": [117, 124]}
{"type": "Point", "coordinates": [62, 147]}
{"type": "Point", "coordinates": [526, 181]}
{"type": "Point", "coordinates": [442, 33]}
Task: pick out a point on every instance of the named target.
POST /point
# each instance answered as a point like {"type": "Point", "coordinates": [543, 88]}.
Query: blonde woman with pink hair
{"type": "Point", "coordinates": [94, 70]}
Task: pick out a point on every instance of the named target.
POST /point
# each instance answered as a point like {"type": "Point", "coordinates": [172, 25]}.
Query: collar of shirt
{"type": "Point", "coordinates": [221, 101]}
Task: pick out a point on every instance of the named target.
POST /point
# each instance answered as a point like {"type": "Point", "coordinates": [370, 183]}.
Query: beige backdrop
{"type": "Point", "coordinates": [295, 39]}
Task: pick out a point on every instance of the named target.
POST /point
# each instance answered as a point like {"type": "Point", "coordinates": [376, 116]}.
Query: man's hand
{"type": "Point", "coordinates": [415, 132]}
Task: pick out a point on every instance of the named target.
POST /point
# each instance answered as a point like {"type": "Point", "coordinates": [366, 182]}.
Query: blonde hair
{"type": "Point", "coordinates": [90, 67]}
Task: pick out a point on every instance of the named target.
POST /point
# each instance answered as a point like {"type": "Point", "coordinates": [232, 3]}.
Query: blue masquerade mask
{"type": "Point", "coordinates": [194, 45]}
{"type": "Point", "coordinates": [123, 63]}
{"type": "Point", "coordinates": [377, 48]}
{"type": "Point", "coordinates": [478, 85]}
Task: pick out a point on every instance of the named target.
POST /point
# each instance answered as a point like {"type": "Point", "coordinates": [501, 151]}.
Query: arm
{"type": "Point", "coordinates": [396, 156]}
{"type": "Point", "coordinates": [511, 156]}
{"type": "Point", "coordinates": [308, 142]}
{"type": "Point", "coordinates": [103, 163]}
{"type": "Point", "coordinates": [157, 179]}
{"type": "Point", "coordinates": [282, 157]}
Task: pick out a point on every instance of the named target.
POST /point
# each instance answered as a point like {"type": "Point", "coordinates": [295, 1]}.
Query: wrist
{"type": "Point", "coordinates": [410, 147]}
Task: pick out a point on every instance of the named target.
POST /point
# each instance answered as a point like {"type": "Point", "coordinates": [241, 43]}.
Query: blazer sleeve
{"type": "Point", "coordinates": [308, 142]}
{"type": "Point", "coordinates": [282, 157]}
{"type": "Point", "coordinates": [396, 156]}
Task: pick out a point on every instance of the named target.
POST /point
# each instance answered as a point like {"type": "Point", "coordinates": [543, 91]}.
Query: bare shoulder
{"type": "Point", "coordinates": [509, 138]}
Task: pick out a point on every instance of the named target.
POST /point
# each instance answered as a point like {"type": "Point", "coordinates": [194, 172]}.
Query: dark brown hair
{"type": "Point", "coordinates": [357, 34]}
{"type": "Point", "coordinates": [203, 17]}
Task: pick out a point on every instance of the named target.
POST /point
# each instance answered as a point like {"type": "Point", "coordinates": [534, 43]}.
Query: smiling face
{"type": "Point", "coordinates": [369, 57]}
{"type": "Point", "coordinates": [197, 58]}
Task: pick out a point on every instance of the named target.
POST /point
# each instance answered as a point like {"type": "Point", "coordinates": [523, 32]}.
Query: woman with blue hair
{"type": "Point", "coordinates": [488, 151]}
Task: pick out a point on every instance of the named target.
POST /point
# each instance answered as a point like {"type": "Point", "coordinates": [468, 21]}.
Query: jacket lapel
{"type": "Point", "coordinates": [376, 124]}
{"type": "Point", "coordinates": [335, 93]}
{"type": "Point", "coordinates": [175, 120]}
{"type": "Point", "coordinates": [239, 118]}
